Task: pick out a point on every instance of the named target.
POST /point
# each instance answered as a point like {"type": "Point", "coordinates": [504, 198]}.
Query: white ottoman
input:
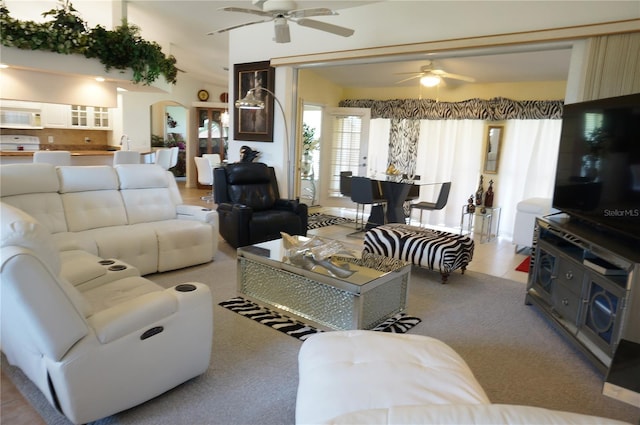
{"type": "Point", "coordinates": [526, 213]}
{"type": "Point", "coordinates": [348, 371]}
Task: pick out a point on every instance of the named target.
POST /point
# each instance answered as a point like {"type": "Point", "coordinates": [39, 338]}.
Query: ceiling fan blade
{"type": "Point", "coordinates": [444, 74]}
{"type": "Point", "coordinates": [245, 10]}
{"type": "Point", "coordinates": [323, 26]}
{"type": "Point", "coordinates": [306, 13]}
{"type": "Point", "coordinates": [407, 73]}
{"type": "Point", "coordinates": [221, 30]}
{"type": "Point", "coordinates": [409, 79]}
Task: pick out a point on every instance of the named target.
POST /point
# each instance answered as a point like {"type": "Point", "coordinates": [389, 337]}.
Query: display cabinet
{"type": "Point", "coordinates": [212, 132]}
{"type": "Point", "coordinates": [586, 282]}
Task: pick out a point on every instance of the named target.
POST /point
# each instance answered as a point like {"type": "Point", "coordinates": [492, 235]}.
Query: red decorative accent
{"type": "Point", "coordinates": [524, 266]}
{"type": "Point", "coordinates": [224, 97]}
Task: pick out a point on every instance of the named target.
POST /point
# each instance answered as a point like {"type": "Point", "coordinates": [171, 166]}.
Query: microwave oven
{"type": "Point", "coordinates": [20, 118]}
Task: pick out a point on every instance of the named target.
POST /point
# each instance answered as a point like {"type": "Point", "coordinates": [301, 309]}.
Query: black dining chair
{"type": "Point", "coordinates": [364, 192]}
{"type": "Point", "coordinates": [345, 183]}
{"type": "Point", "coordinates": [414, 191]}
{"type": "Point", "coordinates": [443, 197]}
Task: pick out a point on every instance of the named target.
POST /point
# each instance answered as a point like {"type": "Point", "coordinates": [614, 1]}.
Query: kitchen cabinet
{"type": "Point", "coordinates": [89, 117]}
{"type": "Point", "coordinates": [74, 116]}
{"type": "Point", "coordinates": [55, 116]}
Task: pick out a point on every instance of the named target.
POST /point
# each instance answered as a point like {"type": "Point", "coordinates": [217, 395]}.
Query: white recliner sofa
{"type": "Point", "coordinates": [367, 377]}
{"type": "Point", "coordinates": [97, 345]}
{"type": "Point", "coordinates": [131, 212]}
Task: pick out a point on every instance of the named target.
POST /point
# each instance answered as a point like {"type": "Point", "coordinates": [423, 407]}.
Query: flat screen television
{"type": "Point", "coordinates": [598, 172]}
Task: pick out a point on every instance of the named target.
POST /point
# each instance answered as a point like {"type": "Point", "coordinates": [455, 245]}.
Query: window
{"type": "Point", "coordinates": [345, 148]}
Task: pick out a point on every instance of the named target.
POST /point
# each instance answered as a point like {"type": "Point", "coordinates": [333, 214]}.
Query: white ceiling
{"type": "Point", "coordinates": [205, 57]}
{"type": "Point", "coordinates": [546, 65]}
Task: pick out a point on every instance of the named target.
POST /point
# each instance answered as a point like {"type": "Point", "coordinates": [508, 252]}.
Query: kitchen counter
{"type": "Point", "coordinates": [73, 153]}
{"type": "Point", "coordinates": [77, 157]}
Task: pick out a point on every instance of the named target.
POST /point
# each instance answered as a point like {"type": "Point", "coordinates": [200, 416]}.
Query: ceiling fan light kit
{"type": "Point", "coordinates": [430, 80]}
{"type": "Point", "coordinates": [281, 30]}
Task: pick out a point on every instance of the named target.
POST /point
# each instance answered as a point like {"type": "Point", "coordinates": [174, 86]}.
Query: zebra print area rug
{"type": "Point", "coordinates": [400, 323]}
{"type": "Point", "coordinates": [318, 220]}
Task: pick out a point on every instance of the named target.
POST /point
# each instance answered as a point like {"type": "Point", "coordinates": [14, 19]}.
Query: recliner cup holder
{"type": "Point", "coordinates": [117, 267]}
{"type": "Point", "coordinates": [106, 262]}
{"type": "Point", "coordinates": [185, 287]}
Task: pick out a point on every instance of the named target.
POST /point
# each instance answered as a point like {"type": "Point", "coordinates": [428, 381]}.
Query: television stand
{"type": "Point", "coordinates": [587, 283]}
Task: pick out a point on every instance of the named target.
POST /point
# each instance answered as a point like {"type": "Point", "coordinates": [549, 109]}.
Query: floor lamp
{"type": "Point", "coordinates": [250, 101]}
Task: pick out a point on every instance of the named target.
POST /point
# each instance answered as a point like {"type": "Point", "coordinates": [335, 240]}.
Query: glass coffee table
{"type": "Point", "coordinates": [376, 290]}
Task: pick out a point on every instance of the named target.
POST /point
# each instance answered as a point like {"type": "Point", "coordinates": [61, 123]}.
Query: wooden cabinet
{"type": "Point", "coordinates": [595, 306]}
{"type": "Point", "coordinates": [212, 131]}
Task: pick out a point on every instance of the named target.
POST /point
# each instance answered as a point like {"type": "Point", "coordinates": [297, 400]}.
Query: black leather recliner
{"type": "Point", "coordinates": [249, 206]}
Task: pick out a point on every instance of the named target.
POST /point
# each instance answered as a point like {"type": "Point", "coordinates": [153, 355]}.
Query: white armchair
{"type": "Point", "coordinates": [81, 347]}
{"type": "Point", "coordinates": [527, 211]}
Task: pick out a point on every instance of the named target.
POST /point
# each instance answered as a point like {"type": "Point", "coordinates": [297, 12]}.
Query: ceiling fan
{"type": "Point", "coordinates": [283, 11]}
{"type": "Point", "coordinates": [431, 76]}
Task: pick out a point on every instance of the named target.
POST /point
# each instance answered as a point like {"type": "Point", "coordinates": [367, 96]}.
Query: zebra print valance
{"type": "Point", "coordinates": [496, 109]}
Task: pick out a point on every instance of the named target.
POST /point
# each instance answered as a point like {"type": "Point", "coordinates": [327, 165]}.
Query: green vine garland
{"type": "Point", "coordinates": [67, 33]}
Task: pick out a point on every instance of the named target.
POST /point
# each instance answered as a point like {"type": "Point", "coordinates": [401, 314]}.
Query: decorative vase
{"type": "Point", "coordinates": [479, 192]}
{"type": "Point", "coordinates": [470, 207]}
{"type": "Point", "coordinates": [488, 197]}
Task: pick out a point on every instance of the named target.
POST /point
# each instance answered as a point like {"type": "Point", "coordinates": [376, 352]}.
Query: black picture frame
{"type": "Point", "coordinates": [254, 124]}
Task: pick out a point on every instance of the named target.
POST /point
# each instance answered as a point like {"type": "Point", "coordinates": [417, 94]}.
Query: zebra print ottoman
{"type": "Point", "coordinates": [433, 249]}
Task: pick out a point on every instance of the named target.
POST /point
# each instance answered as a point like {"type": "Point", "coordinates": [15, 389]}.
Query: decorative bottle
{"type": "Point", "coordinates": [479, 192]}
{"type": "Point", "coordinates": [488, 197]}
{"type": "Point", "coordinates": [470, 207]}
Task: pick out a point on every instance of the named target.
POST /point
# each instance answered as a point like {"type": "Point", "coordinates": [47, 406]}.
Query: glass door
{"type": "Point", "coordinates": [344, 147]}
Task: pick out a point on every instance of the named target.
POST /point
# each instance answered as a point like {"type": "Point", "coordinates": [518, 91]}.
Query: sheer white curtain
{"type": "Point", "coordinates": [449, 150]}
{"type": "Point", "coordinates": [452, 150]}
{"type": "Point", "coordinates": [527, 165]}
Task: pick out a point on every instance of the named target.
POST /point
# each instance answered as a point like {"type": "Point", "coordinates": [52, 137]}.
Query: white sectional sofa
{"type": "Point", "coordinates": [133, 213]}
{"type": "Point", "coordinates": [367, 377]}
{"type": "Point", "coordinates": [95, 338]}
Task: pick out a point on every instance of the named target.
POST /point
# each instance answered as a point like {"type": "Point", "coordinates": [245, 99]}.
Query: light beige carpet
{"type": "Point", "coordinates": [514, 353]}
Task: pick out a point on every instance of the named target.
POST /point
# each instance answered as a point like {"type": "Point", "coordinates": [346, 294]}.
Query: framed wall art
{"type": "Point", "coordinates": [254, 124]}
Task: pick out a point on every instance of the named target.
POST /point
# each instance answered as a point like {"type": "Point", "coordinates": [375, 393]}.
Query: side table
{"type": "Point", "coordinates": [496, 213]}
{"type": "Point", "coordinates": [487, 222]}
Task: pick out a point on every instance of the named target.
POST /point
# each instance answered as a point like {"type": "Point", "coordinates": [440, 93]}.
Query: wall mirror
{"type": "Point", "coordinates": [492, 148]}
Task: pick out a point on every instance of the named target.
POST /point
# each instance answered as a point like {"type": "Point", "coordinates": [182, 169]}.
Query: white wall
{"type": "Point", "coordinates": [378, 24]}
